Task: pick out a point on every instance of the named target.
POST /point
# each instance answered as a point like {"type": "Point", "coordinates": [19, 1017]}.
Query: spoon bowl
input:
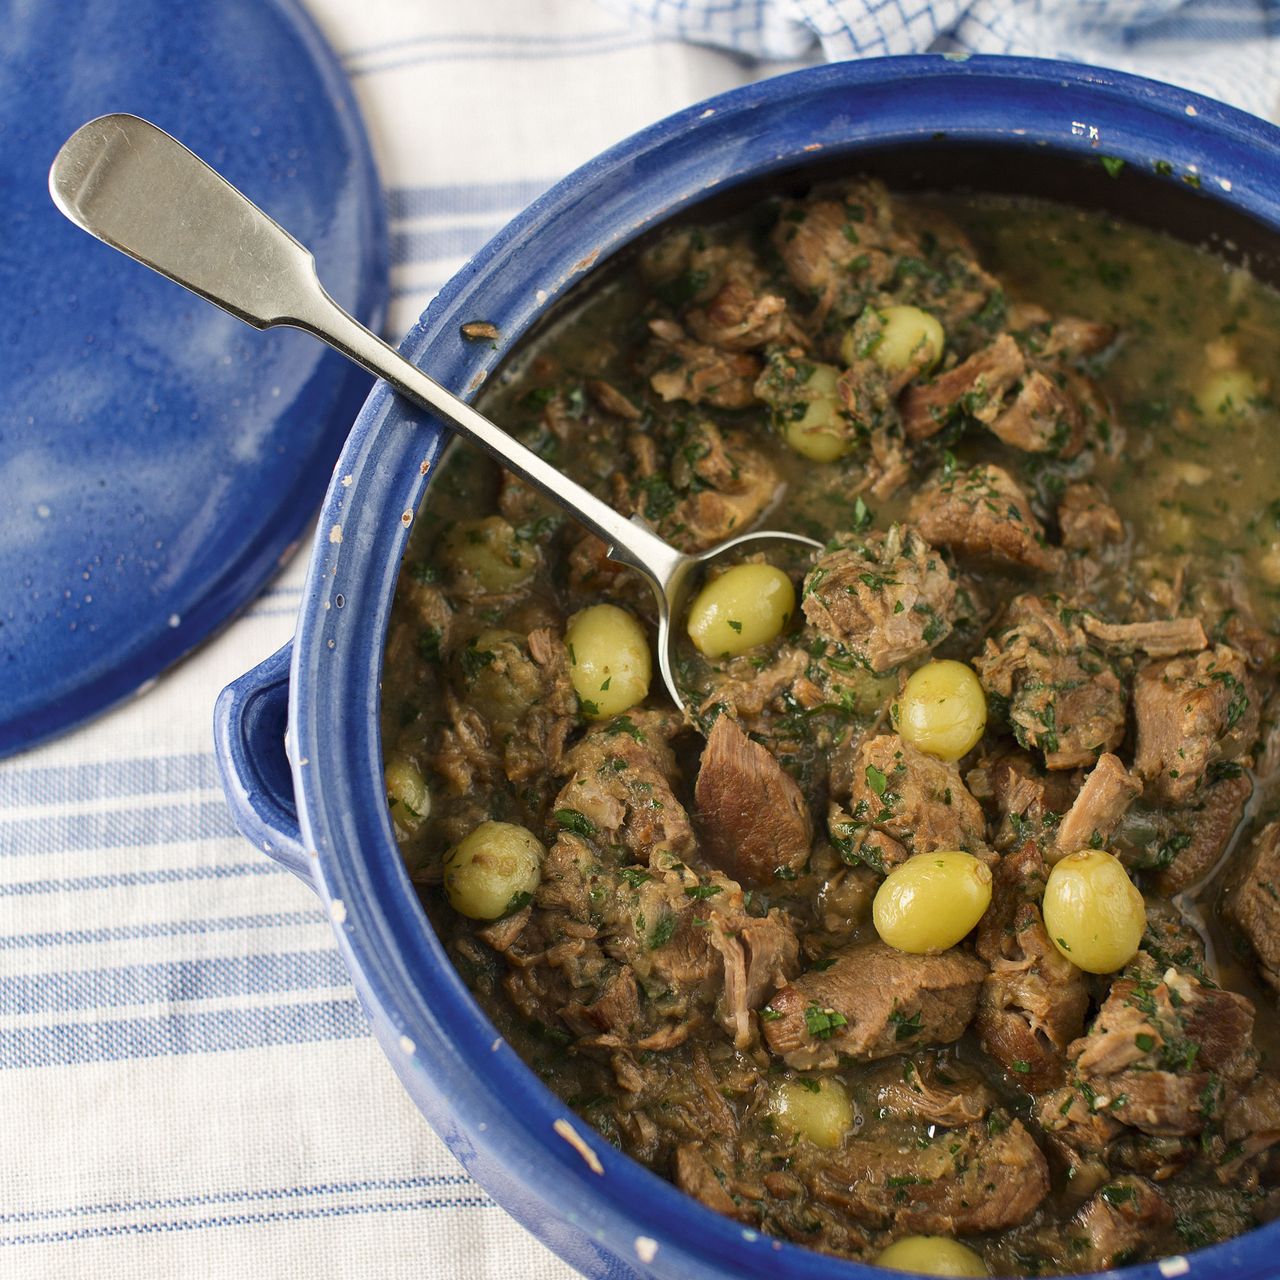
{"type": "Point", "coordinates": [139, 190]}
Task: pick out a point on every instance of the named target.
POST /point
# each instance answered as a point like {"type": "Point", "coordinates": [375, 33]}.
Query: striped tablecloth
{"type": "Point", "coordinates": [187, 1085]}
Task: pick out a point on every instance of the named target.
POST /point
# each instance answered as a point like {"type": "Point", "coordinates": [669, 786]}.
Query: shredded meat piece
{"type": "Point", "coordinates": [729, 483]}
{"type": "Point", "coordinates": [1023, 801]}
{"type": "Point", "coordinates": [753, 816]}
{"type": "Point", "coordinates": [701, 374]}
{"type": "Point", "coordinates": [1042, 417]}
{"type": "Point", "coordinates": [1075, 338]}
{"type": "Point", "coordinates": [1064, 697]}
{"type": "Point", "coordinates": [620, 778]}
{"type": "Point", "coordinates": [923, 1090]}
{"type": "Point", "coordinates": [966, 1181]}
{"type": "Point", "coordinates": [738, 318]}
{"type": "Point", "coordinates": [1191, 713]}
{"type": "Point", "coordinates": [1160, 1049]}
{"type": "Point", "coordinates": [1114, 1226]}
{"type": "Point", "coordinates": [1033, 1002]}
{"type": "Point", "coordinates": [1253, 902]}
{"type": "Point", "coordinates": [1068, 1116]}
{"type": "Point", "coordinates": [1211, 822]}
{"type": "Point", "coordinates": [502, 934]}
{"type": "Point", "coordinates": [982, 514]}
{"type": "Point", "coordinates": [978, 384]}
{"type": "Point", "coordinates": [615, 1010]}
{"type": "Point", "coordinates": [611, 400]}
{"type": "Point", "coordinates": [1250, 1127]}
{"type": "Point", "coordinates": [746, 691]}
{"type": "Point", "coordinates": [887, 598]}
{"type": "Point", "coordinates": [760, 956]}
{"type": "Point", "coordinates": [1087, 520]}
{"type": "Point", "coordinates": [696, 1176]}
{"type": "Point", "coordinates": [839, 252]}
{"type": "Point", "coordinates": [917, 800]}
{"type": "Point", "coordinates": [1102, 801]}
{"type": "Point", "coordinates": [872, 1002]}
{"type": "Point", "coordinates": [1161, 639]}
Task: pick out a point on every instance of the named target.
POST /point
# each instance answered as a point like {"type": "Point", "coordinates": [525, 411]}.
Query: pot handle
{"type": "Point", "coordinates": [249, 723]}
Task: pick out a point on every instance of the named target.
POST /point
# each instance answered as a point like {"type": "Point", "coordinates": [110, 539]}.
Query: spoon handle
{"type": "Point", "coordinates": [141, 191]}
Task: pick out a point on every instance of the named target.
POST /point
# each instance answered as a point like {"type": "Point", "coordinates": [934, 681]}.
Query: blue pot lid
{"type": "Point", "coordinates": [159, 459]}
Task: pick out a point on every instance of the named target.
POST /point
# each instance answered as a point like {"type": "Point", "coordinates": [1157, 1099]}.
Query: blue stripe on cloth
{"type": "Point", "coordinates": [152, 775]}
{"type": "Point", "coordinates": [468, 197]}
{"type": "Point", "coordinates": [173, 982]}
{"type": "Point", "coordinates": [486, 37]}
{"type": "Point", "coordinates": [524, 55]}
{"type": "Point", "coordinates": [480, 1201]}
{"type": "Point", "coordinates": [112, 1040]}
{"type": "Point", "coordinates": [160, 929]}
{"type": "Point", "coordinates": [440, 242]}
{"type": "Point", "coordinates": [419, 1182]}
{"type": "Point", "coordinates": [123, 829]}
{"type": "Point", "coordinates": [127, 879]}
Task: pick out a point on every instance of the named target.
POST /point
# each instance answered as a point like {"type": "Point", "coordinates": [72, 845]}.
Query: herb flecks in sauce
{"type": "Point", "coordinates": [1101, 544]}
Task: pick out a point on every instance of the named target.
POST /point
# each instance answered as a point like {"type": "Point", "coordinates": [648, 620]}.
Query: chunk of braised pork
{"type": "Point", "coordinates": [1253, 901]}
{"type": "Point", "coordinates": [946, 279]}
{"type": "Point", "coordinates": [699, 1171]}
{"type": "Point", "coordinates": [698, 373]}
{"type": "Point", "coordinates": [925, 1088]}
{"type": "Point", "coordinates": [1022, 800]}
{"type": "Point", "coordinates": [516, 715]}
{"type": "Point", "coordinates": [753, 817]}
{"type": "Point", "coordinates": [759, 956]}
{"type": "Point", "coordinates": [977, 385]}
{"type": "Point", "coordinates": [1049, 413]}
{"type": "Point", "coordinates": [873, 1001]}
{"type": "Point", "coordinates": [742, 315]}
{"type": "Point", "coordinates": [749, 692]}
{"type": "Point", "coordinates": [620, 780]}
{"type": "Point", "coordinates": [982, 514]}
{"type": "Point", "coordinates": [1102, 801]}
{"type": "Point", "coordinates": [1033, 1002]}
{"type": "Point", "coordinates": [1250, 1131]}
{"type": "Point", "coordinates": [724, 485]}
{"type": "Point", "coordinates": [1197, 836]}
{"type": "Point", "coordinates": [980, 1177]}
{"type": "Point", "coordinates": [1171, 940]}
{"type": "Point", "coordinates": [1063, 696]}
{"type": "Point", "coordinates": [887, 598]}
{"type": "Point", "coordinates": [915, 799]}
{"type": "Point", "coordinates": [1191, 713]}
{"type": "Point", "coordinates": [1075, 338]}
{"type": "Point", "coordinates": [1162, 1049]}
{"type": "Point", "coordinates": [1115, 1225]}
{"type": "Point", "coordinates": [687, 948]}
{"type": "Point", "coordinates": [1087, 520]}
{"type": "Point", "coordinates": [840, 252]}
{"type": "Point", "coordinates": [715, 484]}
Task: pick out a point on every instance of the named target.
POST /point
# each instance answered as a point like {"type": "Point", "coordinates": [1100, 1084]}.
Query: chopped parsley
{"type": "Point", "coordinates": [823, 1023]}
{"type": "Point", "coordinates": [578, 823]}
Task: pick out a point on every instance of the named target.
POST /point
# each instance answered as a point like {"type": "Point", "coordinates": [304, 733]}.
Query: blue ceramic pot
{"type": "Point", "coordinates": [298, 738]}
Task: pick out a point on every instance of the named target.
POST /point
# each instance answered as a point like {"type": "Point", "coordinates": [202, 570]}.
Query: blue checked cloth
{"type": "Point", "coordinates": [187, 1085]}
{"type": "Point", "coordinates": [1224, 48]}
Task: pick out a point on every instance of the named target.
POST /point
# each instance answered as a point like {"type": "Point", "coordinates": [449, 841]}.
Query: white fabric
{"type": "Point", "coordinates": [187, 1086]}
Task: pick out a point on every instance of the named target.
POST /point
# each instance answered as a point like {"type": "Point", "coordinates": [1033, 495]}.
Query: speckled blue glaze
{"type": "Point", "coordinates": [158, 458]}
{"type": "Point", "coordinates": [608, 1216]}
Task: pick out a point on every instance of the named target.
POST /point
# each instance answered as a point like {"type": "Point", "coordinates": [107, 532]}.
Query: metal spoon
{"type": "Point", "coordinates": [141, 191]}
